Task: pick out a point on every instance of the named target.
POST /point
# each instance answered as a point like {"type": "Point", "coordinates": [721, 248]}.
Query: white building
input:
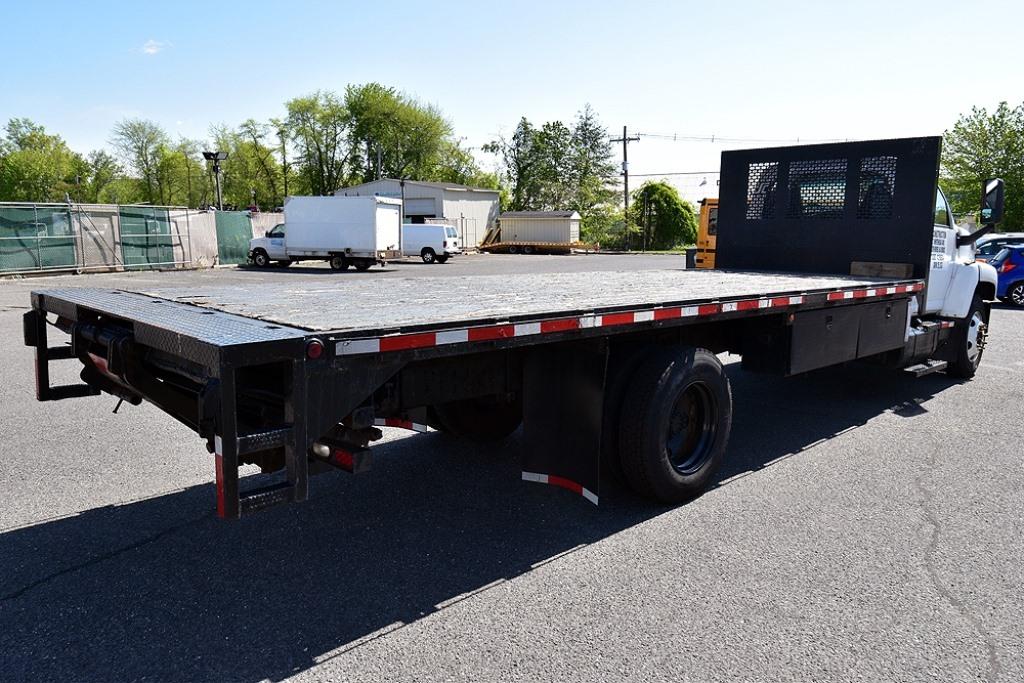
{"type": "Point", "coordinates": [472, 210]}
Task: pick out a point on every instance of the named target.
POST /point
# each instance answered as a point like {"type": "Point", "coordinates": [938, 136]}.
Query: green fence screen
{"type": "Point", "coordinates": [36, 238]}
{"type": "Point", "coordinates": [145, 237]}
{"type": "Point", "coordinates": [234, 230]}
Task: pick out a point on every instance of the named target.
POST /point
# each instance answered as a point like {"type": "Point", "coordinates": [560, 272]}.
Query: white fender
{"type": "Point", "coordinates": [964, 283]}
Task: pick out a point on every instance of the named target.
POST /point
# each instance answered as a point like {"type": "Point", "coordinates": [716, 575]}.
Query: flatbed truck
{"type": "Point", "coordinates": [826, 254]}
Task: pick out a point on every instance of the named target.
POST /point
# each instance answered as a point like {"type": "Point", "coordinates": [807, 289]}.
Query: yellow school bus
{"type": "Point", "coordinates": [707, 233]}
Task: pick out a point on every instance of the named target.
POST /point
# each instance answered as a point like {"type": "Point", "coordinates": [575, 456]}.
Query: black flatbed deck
{"type": "Point", "coordinates": [429, 311]}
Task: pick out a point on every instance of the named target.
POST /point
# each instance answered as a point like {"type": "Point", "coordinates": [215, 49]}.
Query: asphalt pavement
{"type": "Point", "coordinates": [867, 526]}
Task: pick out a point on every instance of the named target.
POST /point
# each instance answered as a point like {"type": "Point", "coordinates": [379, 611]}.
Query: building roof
{"type": "Point", "coordinates": [539, 214]}
{"type": "Point", "coordinates": [455, 187]}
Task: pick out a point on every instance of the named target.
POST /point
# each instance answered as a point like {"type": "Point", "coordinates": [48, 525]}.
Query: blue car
{"type": "Point", "coordinates": [1009, 263]}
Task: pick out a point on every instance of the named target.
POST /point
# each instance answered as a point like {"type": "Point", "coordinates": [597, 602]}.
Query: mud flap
{"type": "Point", "coordinates": [563, 399]}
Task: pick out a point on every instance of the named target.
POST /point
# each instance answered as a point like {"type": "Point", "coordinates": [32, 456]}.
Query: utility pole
{"type": "Point", "coordinates": [625, 140]}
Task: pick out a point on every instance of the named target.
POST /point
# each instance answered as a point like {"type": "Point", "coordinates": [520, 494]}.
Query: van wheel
{"type": "Point", "coordinates": [428, 255]}
{"type": "Point", "coordinates": [442, 259]}
{"type": "Point", "coordinates": [364, 265]}
{"type": "Point", "coordinates": [261, 259]}
{"type": "Point", "coordinates": [675, 424]}
{"type": "Point", "coordinates": [483, 420]}
{"type": "Point", "coordinates": [339, 262]}
{"type": "Point", "coordinates": [969, 336]}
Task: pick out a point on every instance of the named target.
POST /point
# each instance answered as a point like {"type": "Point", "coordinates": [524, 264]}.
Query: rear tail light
{"type": "Point", "coordinates": [1007, 266]}
{"type": "Point", "coordinates": [445, 244]}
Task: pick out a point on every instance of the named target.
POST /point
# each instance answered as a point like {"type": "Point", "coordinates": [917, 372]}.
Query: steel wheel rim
{"type": "Point", "coordinates": [692, 427]}
{"type": "Point", "coordinates": [975, 338]}
{"type": "Point", "coordinates": [1017, 295]}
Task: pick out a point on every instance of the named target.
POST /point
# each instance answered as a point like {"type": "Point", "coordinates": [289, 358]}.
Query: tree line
{"type": "Point", "coordinates": [324, 141]}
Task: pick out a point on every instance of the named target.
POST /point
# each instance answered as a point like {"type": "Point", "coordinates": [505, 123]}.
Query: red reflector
{"type": "Point", "coordinates": [314, 349]}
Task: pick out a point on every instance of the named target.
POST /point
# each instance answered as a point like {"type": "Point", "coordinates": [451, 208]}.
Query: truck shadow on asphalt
{"type": "Point", "coordinates": [159, 588]}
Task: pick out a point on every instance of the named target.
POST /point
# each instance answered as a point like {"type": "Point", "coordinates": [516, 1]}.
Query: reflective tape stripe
{"type": "Point", "coordinates": [416, 340]}
{"type": "Point", "coordinates": [399, 423]}
{"type": "Point", "coordinates": [561, 482]}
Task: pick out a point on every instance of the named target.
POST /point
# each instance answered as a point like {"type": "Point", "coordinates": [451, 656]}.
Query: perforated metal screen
{"type": "Point", "coordinates": [819, 208]}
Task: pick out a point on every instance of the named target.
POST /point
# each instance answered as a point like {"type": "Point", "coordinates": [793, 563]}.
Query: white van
{"type": "Point", "coordinates": [432, 243]}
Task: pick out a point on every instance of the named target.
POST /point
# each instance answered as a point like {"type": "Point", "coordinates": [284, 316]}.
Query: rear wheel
{"type": "Point", "coordinates": [363, 265]}
{"type": "Point", "coordinates": [485, 419]}
{"type": "Point", "coordinates": [621, 366]}
{"type": "Point", "coordinates": [339, 262]}
{"type": "Point", "coordinates": [675, 424]}
{"type": "Point", "coordinates": [527, 249]}
{"type": "Point", "coordinates": [260, 258]}
{"type": "Point", "coordinates": [442, 259]}
{"type": "Point", "coordinates": [428, 255]}
{"type": "Point", "coordinates": [513, 249]}
{"type": "Point", "coordinates": [970, 336]}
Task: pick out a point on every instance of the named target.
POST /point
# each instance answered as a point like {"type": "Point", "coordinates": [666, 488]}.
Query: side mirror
{"type": "Point", "coordinates": [266, 234]}
{"type": "Point", "coordinates": [993, 196]}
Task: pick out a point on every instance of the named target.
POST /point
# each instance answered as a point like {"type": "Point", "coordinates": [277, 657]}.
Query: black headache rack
{"type": "Point", "coordinates": [853, 208]}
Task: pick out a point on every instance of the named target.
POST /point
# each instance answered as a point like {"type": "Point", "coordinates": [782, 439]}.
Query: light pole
{"type": "Point", "coordinates": [216, 158]}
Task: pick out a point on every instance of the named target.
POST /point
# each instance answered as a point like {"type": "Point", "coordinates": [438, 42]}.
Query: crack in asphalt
{"type": "Point", "coordinates": [932, 519]}
{"type": "Point", "coordinates": [102, 558]}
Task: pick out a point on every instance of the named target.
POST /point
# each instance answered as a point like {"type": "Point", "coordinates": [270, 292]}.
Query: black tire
{"type": "Point", "coordinates": [662, 457]}
{"type": "Point", "coordinates": [260, 259]}
{"type": "Point", "coordinates": [513, 249]}
{"type": "Point", "coordinates": [969, 338]}
{"type": "Point", "coordinates": [483, 420]}
{"type": "Point", "coordinates": [428, 255]}
{"type": "Point", "coordinates": [527, 249]}
{"type": "Point", "coordinates": [364, 265]}
{"type": "Point", "coordinates": [1015, 295]}
{"type": "Point", "coordinates": [283, 264]}
{"type": "Point", "coordinates": [339, 262]}
{"type": "Point", "coordinates": [621, 367]}
{"type": "Point", "coordinates": [442, 259]}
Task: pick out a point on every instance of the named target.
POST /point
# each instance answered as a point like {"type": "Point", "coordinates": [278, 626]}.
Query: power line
{"type": "Point", "coordinates": [653, 175]}
{"type": "Point", "coordinates": [676, 137]}
{"type": "Point", "coordinates": [625, 140]}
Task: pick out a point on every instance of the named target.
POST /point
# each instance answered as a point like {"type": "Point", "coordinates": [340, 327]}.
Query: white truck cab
{"type": "Point", "coordinates": [954, 276]}
{"type": "Point", "coordinates": [270, 247]}
{"type": "Point", "coordinates": [434, 243]}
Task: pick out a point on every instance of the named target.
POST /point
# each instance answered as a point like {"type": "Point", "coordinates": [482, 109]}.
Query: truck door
{"type": "Point", "coordinates": [943, 255]}
{"type": "Point", "coordinates": [275, 243]}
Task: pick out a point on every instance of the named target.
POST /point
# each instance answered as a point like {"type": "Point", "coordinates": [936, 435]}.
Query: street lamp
{"type": "Point", "coordinates": [216, 158]}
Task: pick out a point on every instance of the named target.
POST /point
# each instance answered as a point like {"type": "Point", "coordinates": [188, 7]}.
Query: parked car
{"type": "Point", "coordinates": [990, 245]}
{"type": "Point", "coordinates": [431, 242]}
{"type": "Point", "coordinates": [1009, 264]}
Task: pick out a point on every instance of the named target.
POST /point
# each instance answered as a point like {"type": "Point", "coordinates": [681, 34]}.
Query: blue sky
{"type": "Point", "coordinates": [775, 70]}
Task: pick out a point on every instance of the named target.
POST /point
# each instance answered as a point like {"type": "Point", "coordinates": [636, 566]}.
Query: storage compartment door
{"type": "Point", "coordinates": [882, 327]}
{"type": "Point", "coordinates": [823, 338]}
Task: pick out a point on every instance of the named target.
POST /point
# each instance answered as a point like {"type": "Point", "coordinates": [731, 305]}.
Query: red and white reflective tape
{"type": "Point", "coordinates": [946, 324]}
{"type": "Point", "coordinates": [561, 482]}
{"type": "Point", "coordinates": [868, 293]}
{"type": "Point", "coordinates": [419, 340]}
{"type": "Point", "coordinates": [400, 424]}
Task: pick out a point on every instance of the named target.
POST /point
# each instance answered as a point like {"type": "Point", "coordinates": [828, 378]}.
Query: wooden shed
{"type": "Point", "coordinates": [548, 227]}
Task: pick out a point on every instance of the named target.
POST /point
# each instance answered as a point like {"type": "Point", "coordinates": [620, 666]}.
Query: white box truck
{"type": "Point", "coordinates": [344, 231]}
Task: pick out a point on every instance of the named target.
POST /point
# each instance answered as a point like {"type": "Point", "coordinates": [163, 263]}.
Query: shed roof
{"type": "Point", "coordinates": [539, 214]}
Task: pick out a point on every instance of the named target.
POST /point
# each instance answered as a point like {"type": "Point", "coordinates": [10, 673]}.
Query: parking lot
{"type": "Point", "coordinates": [866, 526]}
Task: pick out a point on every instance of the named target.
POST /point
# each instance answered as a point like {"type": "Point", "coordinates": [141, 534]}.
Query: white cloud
{"type": "Point", "coordinates": [151, 47]}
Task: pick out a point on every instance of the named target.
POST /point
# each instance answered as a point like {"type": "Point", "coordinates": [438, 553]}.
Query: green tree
{"type": "Point", "coordinates": [142, 145]}
{"type": "Point", "coordinates": [663, 216]}
{"type": "Point", "coordinates": [984, 145]}
{"type": "Point", "coordinates": [318, 125]}
{"type": "Point", "coordinates": [522, 163]}
{"type": "Point", "coordinates": [36, 166]}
